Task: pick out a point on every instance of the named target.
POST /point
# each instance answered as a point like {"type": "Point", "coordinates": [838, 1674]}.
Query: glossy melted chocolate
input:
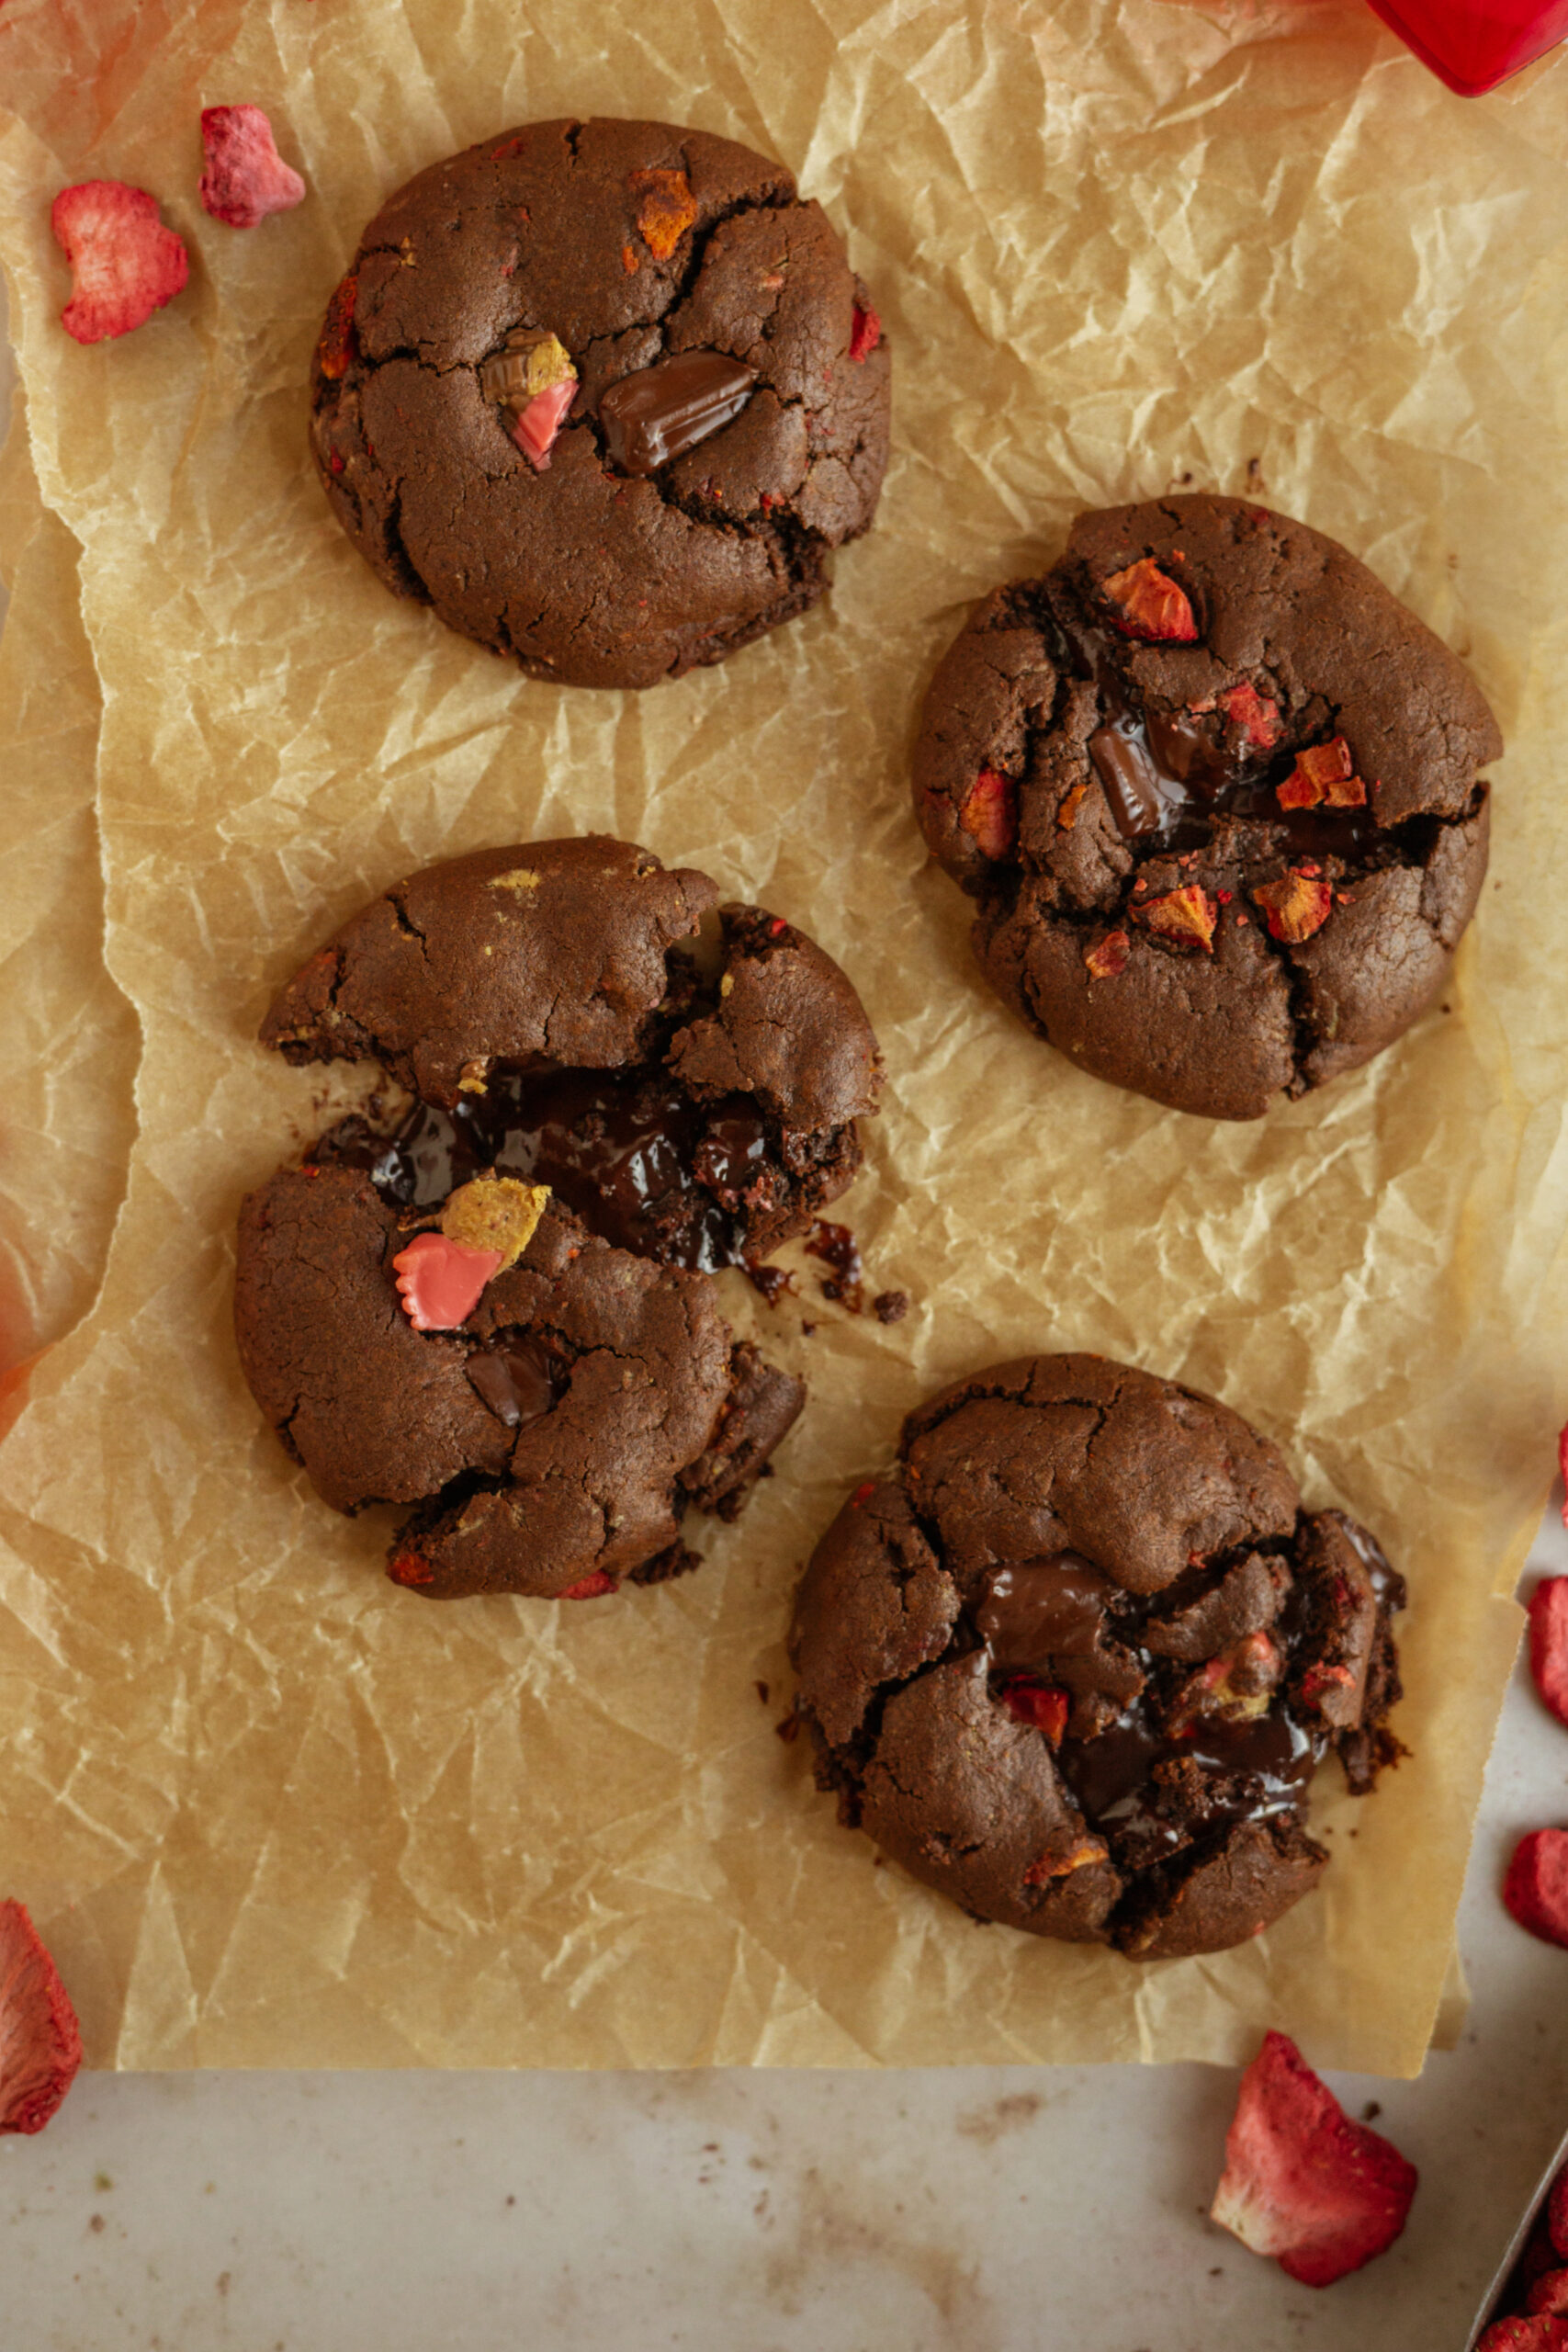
{"type": "Point", "coordinates": [517, 1377]}
{"type": "Point", "coordinates": [661, 412]}
{"type": "Point", "coordinates": [1167, 773]}
{"type": "Point", "coordinates": [640, 1163]}
{"type": "Point", "coordinates": [1031, 1612]}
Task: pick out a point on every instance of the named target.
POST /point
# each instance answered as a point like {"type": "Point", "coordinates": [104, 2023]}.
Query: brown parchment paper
{"type": "Point", "coordinates": [273, 1810]}
{"type": "Point", "coordinates": [67, 1036]}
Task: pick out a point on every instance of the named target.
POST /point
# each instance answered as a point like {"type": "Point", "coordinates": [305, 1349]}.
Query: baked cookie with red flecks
{"type": "Point", "coordinates": [1216, 793]}
{"type": "Point", "coordinates": [492, 1306]}
{"type": "Point", "coordinates": [606, 395]}
{"type": "Point", "coordinates": [1074, 1660]}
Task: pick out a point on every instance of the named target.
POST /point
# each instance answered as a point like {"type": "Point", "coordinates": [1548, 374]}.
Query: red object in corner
{"type": "Point", "coordinates": [1474, 44]}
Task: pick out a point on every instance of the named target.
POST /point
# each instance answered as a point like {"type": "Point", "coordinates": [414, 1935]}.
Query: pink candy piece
{"type": "Point", "coordinates": [536, 430]}
{"type": "Point", "coordinates": [440, 1282]}
{"type": "Point", "coordinates": [865, 333]}
{"type": "Point", "coordinates": [589, 1587]}
{"type": "Point", "coordinates": [245, 177]}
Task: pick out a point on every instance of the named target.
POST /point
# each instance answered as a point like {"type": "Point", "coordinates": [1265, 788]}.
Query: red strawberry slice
{"type": "Point", "coordinates": [1525, 2335]}
{"type": "Point", "coordinates": [1535, 1888]}
{"type": "Point", "coordinates": [589, 1587]}
{"type": "Point", "coordinates": [1557, 2213]}
{"type": "Point", "coordinates": [41, 2043]}
{"type": "Point", "coordinates": [245, 177]}
{"type": "Point", "coordinates": [1302, 2182]}
{"type": "Point", "coordinates": [1549, 1643]}
{"type": "Point", "coordinates": [124, 264]}
{"type": "Point", "coordinates": [1548, 2296]}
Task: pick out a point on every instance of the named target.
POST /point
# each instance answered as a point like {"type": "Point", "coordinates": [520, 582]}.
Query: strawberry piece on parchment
{"type": "Point", "coordinates": [1303, 2182]}
{"type": "Point", "coordinates": [124, 264]}
{"type": "Point", "coordinates": [41, 2043]}
{"type": "Point", "coordinates": [1549, 1643]}
{"type": "Point", "coordinates": [1536, 1887]}
{"type": "Point", "coordinates": [243, 177]}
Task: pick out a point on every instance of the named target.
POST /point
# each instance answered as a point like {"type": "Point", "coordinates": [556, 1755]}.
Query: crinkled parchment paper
{"type": "Point", "coordinates": [273, 1810]}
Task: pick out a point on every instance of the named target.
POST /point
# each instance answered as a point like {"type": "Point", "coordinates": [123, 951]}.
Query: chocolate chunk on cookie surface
{"type": "Point", "coordinates": [1074, 1660]}
{"type": "Point", "coordinates": [1216, 793]}
{"type": "Point", "coordinates": [496, 1306]}
{"type": "Point", "coordinates": [606, 395]}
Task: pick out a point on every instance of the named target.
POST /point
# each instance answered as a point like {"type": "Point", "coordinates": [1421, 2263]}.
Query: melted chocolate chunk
{"type": "Point", "coordinates": [642, 1164]}
{"type": "Point", "coordinates": [661, 412]}
{"type": "Point", "coordinates": [1235, 1771]}
{"type": "Point", "coordinates": [1034, 1611]}
{"type": "Point", "coordinates": [1146, 1789]}
{"type": "Point", "coordinates": [1166, 774]}
{"type": "Point", "coordinates": [1388, 1585]}
{"type": "Point", "coordinates": [517, 1377]}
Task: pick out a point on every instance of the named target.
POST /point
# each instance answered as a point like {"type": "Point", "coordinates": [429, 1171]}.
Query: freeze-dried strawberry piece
{"type": "Point", "coordinates": [440, 1282]}
{"type": "Point", "coordinates": [1042, 1709]}
{"type": "Point", "coordinates": [1303, 2182]}
{"type": "Point", "coordinates": [537, 429]}
{"type": "Point", "coordinates": [1525, 2336]}
{"type": "Point", "coordinates": [865, 333]}
{"type": "Point", "coordinates": [589, 1587]}
{"type": "Point", "coordinates": [124, 264]}
{"type": "Point", "coordinates": [1549, 1643]}
{"type": "Point", "coordinates": [1187, 916]}
{"type": "Point", "coordinates": [411, 1568]}
{"type": "Point", "coordinates": [41, 2043]}
{"type": "Point", "coordinates": [1088, 1852]}
{"type": "Point", "coordinates": [1109, 957]}
{"type": "Point", "coordinates": [989, 814]}
{"type": "Point", "coordinates": [1548, 2296]}
{"type": "Point", "coordinates": [337, 347]}
{"type": "Point", "coordinates": [1258, 717]}
{"type": "Point", "coordinates": [1325, 772]}
{"type": "Point", "coordinates": [1295, 906]}
{"type": "Point", "coordinates": [1557, 2213]}
{"type": "Point", "coordinates": [1150, 605]}
{"type": "Point", "coordinates": [244, 176]}
{"type": "Point", "coordinates": [1536, 1887]}
{"type": "Point", "coordinates": [667, 210]}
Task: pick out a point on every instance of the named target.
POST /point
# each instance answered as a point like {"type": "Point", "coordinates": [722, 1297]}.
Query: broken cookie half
{"type": "Point", "coordinates": [496, 1309]}
{"type": "Point", "coordinates": [1074, 1660]}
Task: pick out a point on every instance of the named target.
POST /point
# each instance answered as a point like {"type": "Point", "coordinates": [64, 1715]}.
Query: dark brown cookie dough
{"type": "Point", "coordinates": [1215, 791]}
{"type": "Point", "coordinates": [559, 1023]}
{"type": "Point", "coordinates": [675, 515]}
{"type": "Point", "coordinates": [1074, 1660]}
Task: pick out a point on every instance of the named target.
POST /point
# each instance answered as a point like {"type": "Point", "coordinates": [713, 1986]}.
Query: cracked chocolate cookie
{"type": "Point", "coordinates": [604, 394]}
{"type": "Point", "coordinates": [1215, 792]}
{"type": "Point", "coordinates": [1074, 1659]}
{"type": "Point", "coordinates": [495, 1303]}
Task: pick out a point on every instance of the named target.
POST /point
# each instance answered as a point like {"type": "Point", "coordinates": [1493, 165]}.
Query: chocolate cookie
{"type": "Point", "coordinates": [1074, 1660]}
{"type": "Point", "coordinates": [496, 1304]}
{"type": "Point", "coordinates": [606, 394]}
{"type": "Point", "coordinates": [1215, 791]}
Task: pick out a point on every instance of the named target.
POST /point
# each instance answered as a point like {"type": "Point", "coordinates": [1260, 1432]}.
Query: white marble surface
{"type": "Point", "coordinates": [996, 2209]}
